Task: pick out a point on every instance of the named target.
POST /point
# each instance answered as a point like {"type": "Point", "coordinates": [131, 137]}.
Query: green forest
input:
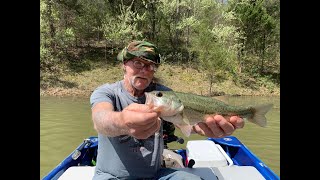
{"type": "Point", "coordinates": [234, 40]}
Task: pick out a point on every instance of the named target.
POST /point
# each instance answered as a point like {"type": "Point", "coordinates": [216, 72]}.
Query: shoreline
{"type": "Point", "coordinates": [178, 78]}
{"type": "Point", "coordinates": [63, 92]}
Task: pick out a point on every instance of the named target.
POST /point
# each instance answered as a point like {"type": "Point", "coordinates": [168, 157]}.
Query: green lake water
{"type": "Point", "coordinates": [66, 121]}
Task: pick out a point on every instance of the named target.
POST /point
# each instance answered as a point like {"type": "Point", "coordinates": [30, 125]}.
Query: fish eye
{"type": "Point", "coordinates": [159, 94]}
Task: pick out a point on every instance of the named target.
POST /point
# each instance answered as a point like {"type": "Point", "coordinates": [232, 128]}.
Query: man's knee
{"type": "Point", "coordinates": [186, 176]}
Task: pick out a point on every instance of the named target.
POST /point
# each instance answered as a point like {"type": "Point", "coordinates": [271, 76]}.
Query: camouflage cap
{"type": "Point", "coordinates": [141, 49]}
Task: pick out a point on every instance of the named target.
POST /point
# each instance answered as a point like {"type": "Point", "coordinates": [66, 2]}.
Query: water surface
{"type": "Point", "coordinates": [66, 121]}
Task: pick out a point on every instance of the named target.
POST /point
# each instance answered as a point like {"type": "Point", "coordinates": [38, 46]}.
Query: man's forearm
{"type": "Point", "coordinates": [108, 123]}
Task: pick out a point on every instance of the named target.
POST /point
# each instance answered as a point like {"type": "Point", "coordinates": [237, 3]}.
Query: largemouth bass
{"type": "Point", "coordinates": [186, 109]}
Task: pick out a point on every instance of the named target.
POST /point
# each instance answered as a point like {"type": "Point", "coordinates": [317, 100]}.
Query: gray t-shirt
{"type": "Point", "coordinates": [125, 157]}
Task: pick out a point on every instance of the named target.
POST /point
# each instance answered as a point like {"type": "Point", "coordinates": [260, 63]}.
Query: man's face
{"type": "Point", "coordinates": [139, 72]}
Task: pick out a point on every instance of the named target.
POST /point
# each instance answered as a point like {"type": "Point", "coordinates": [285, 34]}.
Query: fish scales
{"type": "Point", "coordinates": [208, 105]}
{"type": "Point", "coordinates": [173, 107]}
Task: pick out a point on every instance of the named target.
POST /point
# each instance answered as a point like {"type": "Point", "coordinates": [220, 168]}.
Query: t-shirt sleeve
{"type": "Point", "coordinates": [102, 94]}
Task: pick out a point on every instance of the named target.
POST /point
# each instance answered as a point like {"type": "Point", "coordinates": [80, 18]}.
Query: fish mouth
{"type": "Point", "coordinates": [149, 99]}
{"type": "Point", "coordinates": [147, 96]}
{"type": "Point", "coordinates": [167, 110]}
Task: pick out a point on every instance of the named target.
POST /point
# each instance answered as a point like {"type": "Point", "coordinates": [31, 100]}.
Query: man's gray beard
{"type": "Point", "coordinates": [132, 83]}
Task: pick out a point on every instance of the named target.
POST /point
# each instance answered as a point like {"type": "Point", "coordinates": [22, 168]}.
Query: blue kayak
{"type": "Point", "coordinates": [212, 158]}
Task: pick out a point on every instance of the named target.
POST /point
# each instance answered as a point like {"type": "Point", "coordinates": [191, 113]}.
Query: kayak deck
{"type": "Point", "coordinates": [209, 173]}
{"type": "Point", "coordinates": [240, 163]}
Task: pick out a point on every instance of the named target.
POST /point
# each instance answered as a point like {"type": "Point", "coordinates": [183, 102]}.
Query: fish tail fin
{"type": "Point", "coordinates": [259, 115]}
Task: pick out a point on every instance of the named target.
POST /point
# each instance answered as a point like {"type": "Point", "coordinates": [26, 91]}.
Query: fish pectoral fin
{"type": "Point", "coordinates": [185, 129]}
{"type": "Point", "coordinates": [184, 125]}
{"type": "Point", "coordinates": [176, 119]}
{"type": "Point", "coordinates": [180, 121]}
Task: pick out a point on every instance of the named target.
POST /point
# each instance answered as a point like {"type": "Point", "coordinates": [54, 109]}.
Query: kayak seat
{"type": "Point", "coordinates": [87, 172]}
{"type": "Point", "coordinates": [78, 173]}
{"type": "Point", "coordinates": [206, 173]}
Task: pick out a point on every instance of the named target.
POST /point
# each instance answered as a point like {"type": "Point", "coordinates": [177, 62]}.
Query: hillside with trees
{"type": "Point", "coordinates": [234, 40]}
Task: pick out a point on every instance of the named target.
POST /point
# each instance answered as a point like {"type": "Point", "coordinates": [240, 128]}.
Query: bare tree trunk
{"type": "Point", "coordinates": [153, 20]}
{"type": "Point", "coordinates": [239, 57]}
{"type": "Point", "coordinates": [51, 22]}
{"type": "Point", "coordinates": [105, 52]}
{"type": "Point", "coordinates": [211, 83]}
{"type": "Point", "coordinates": [263, 49]}
{"type": "Point", "coordinates": [177, 20]}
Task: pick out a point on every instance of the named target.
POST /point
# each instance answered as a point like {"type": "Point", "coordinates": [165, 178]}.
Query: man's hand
{"type": "Point", "coordinates": [217, 126]}
{"type": "Point", "coordinates": [140, 120]}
